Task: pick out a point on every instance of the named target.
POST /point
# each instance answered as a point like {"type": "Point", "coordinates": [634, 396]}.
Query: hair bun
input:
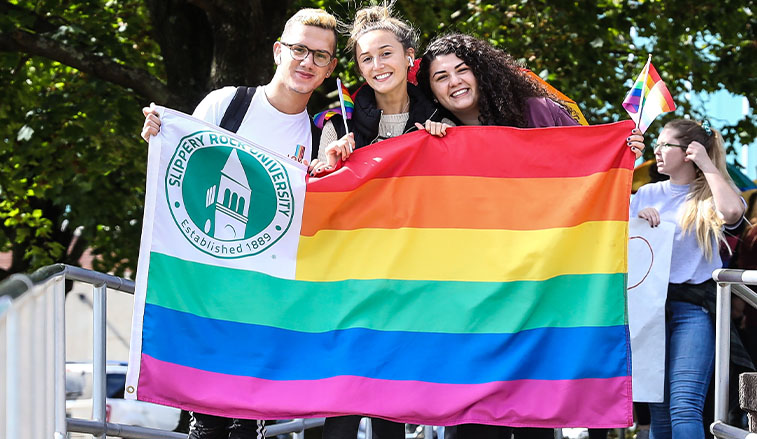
{"type": "Point", "coordinates": [382, 18]}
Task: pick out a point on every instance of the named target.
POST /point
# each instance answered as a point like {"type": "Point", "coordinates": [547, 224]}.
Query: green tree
{"type": "Point", "coordinates": [76, 73]}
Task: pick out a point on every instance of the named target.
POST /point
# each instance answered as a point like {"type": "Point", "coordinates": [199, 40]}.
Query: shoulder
{"type": "Point", "coordinates": [421, 107]}
{"type": "Point", "coordinates": [652, 189]}
{"type": "Point", "coordinates": [544, 112]}
{"type": "Point", "coordinates": [214, 104]}
{"type": "Point", "coordinates": [219, 95]}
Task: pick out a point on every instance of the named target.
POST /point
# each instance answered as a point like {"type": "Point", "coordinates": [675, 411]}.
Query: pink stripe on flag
{"type": "Point", "coordinates": [523, 403]}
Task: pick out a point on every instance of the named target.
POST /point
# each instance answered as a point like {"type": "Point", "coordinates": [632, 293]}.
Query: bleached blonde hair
{"type": "Point", "coordinates": [313, 17]}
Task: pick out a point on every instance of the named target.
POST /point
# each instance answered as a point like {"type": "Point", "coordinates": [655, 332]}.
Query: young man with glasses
{"type": "Point", "coordinates": [277, 119]}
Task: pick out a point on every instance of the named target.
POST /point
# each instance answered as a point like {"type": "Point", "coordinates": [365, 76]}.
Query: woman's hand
{"type": "Point", "coordinates": [438, 129]}
{"type": "Point", "coordinates": [152, 122]}
{"type": "Point", "coordinates": [636, 142]}
{"type": "Point", "coordinates": [651, 215]}
{"type": "Point", "coordinates": [337, 150]}
{"type": "Point", "coordinates": [697, 154]}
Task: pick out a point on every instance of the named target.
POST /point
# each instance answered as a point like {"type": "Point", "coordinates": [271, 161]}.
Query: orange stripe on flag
{"type": "Point", "coordinates": [468, 203]}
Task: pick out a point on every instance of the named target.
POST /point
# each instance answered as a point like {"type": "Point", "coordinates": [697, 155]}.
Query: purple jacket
{"type": "Point", "coordinates": [543, 112]}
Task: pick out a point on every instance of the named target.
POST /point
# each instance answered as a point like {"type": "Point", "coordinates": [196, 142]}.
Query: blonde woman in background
{"type": "Point", "coordinates": [701, 200]}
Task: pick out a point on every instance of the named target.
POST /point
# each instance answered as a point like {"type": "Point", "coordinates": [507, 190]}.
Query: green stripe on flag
{"type": "Point", "coordinates": [385, 305]}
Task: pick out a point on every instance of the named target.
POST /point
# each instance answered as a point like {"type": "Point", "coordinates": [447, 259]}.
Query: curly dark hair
{"type": "Point", "coordinates": [503, 87]}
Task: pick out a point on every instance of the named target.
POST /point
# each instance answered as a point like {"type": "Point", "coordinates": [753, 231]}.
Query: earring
{"type": "Point", "coordinates": [410, 60]}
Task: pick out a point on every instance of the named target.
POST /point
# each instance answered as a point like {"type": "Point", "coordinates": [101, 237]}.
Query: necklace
{"type": "Point", "coordinates": [406, 108]}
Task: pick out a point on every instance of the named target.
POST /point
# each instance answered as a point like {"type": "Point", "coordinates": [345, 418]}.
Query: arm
{"type": "Point", "coordinates": [331, 149]}
{"type": "Point", "coordinates": [328, 135]}
{"type": "Point", "coordinates": [727, 201]}
{"type": "Point", "coordinates": [650, 214]}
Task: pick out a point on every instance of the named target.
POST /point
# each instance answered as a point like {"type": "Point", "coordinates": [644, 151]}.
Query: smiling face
{"type": "Point", "coordinates": [303, 76]}
{"type": "Point", "coordinates": [454, 86]}
{"type": "Point", "coordinates": [670, 160]}
{"type": "Point", "coordinates": [383, 61]}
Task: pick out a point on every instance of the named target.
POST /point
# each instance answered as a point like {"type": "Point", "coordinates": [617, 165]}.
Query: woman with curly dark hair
{"type": "Point", "coordinates": [479, 84]}
{"type": "Point", "coordinates": [482, 85]}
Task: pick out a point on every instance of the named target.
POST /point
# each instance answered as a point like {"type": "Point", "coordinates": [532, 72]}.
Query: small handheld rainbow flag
{"type": "Point", "coordinates": [346, 106]}
{"type": "Point", "coordinates": [648, 98]}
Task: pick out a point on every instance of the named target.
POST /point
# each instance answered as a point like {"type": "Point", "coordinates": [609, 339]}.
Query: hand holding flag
{"type": "Point", "coordinates": [648, 98]}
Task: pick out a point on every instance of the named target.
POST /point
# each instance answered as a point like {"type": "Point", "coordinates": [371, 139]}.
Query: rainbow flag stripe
{"type": "Point", "coordinates": [657, 98]}
{"type": "Point", "coordinates": [349, 106]}
{"type": "Point", "coordinates": [479, 278]}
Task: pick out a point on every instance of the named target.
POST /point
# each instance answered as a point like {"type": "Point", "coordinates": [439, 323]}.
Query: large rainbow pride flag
{"type": "Point", "coordinates": [479, 277]}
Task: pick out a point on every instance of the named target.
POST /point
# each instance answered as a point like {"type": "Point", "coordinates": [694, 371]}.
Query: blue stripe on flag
{"type": "Point", "coordinates": [253, 350]}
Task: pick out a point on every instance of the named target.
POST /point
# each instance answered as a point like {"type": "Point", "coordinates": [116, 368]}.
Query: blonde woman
{"type": "Point", "coordinates": [701, 200]}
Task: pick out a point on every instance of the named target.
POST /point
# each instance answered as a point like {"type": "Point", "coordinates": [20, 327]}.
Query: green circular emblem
{"type": "Point", "coordinates": [230, 200]}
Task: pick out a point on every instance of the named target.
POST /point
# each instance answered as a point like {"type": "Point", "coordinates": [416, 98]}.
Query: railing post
{"type": "Point", "coordinates": [428, 432]}
{"type": "Point", "coordinates": [99, 308]}
{"type": "Point", "coordinates": [11, 374]}
{"type": "Point", "coordinates": [59, 323]}
{"type": "Point", "coordinates": [722, 350]}
{"type": "Point", "coordinates": [300, 434]}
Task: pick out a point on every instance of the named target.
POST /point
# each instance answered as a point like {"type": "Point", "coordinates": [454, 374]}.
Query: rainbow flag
{"type": "Point", "coordinates": [470, 278]}
{"type": "Point", "coordinates": [648, 98]}
{"type": "Point", "coordinates": [349, 106]}
{"type": "Point", "coordinates": [573, 109]}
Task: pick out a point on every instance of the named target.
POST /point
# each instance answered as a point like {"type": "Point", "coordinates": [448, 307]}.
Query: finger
{"type": "Point", "coordinates": [444, 129]}
{"type": "Point", "coordinates": [419, 126]}
{"type": "Point", "coordinates": [149, 110]}
{"type": "Point", "coordinates": [351, 142]}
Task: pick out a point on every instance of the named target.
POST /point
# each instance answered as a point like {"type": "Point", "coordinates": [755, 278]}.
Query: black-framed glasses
{"type": "Point", "coordinates": [321, 58]}
{"type": "Point", "coordinates": [666, 145]}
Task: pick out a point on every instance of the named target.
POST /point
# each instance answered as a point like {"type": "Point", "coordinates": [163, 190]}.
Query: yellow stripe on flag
{"type": "Point", "coordinates": [463, 254]}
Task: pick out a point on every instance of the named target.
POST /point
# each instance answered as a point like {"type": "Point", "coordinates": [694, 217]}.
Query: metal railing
{"type": "Point", "coordinates": [53, 309]}
{"type": "Point", "coordinates": [729, 280]}
{"type": "Point", "coordinates": [98, 426]}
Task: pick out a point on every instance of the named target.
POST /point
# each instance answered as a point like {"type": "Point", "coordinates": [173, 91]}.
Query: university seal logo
{"type": "Point", "coordinates": [230, 200]}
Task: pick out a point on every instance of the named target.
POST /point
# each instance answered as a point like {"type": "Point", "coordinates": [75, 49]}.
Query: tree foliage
{"type": "Point", "coordinates": [76, 73]}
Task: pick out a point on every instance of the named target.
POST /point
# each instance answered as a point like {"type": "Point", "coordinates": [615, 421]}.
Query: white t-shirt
{"type": "Point", "coordinates": [688, 263]}
{"type": "Point", "coordinates": [263, 124]}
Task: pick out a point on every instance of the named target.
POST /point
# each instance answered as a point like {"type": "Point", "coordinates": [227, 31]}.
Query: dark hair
{"type": "Point", "coordinates": [503, 87]}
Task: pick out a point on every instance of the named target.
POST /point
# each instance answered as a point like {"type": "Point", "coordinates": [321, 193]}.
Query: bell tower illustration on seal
{"type": "Point", "coordinates": [232, 201]}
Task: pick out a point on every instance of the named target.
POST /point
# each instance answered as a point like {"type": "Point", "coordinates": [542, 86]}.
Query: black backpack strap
{"type": "Point", "coordinates": [236, 110]}
{"type": "Point", "coordinates": [315, 137]}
